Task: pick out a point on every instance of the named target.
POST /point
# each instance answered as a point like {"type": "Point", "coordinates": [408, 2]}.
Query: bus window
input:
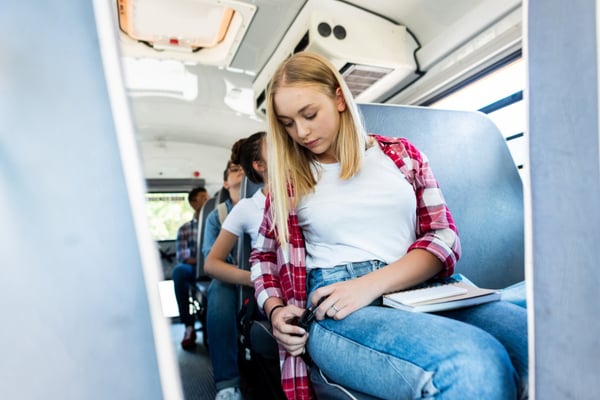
{"type": "Point", "coordinates": [499, 94]}
{"type": "Point", "coordinates": [166, 213]}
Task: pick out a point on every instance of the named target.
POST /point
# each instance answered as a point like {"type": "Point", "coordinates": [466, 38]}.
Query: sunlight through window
{"type": "Point", "coordinates": [499, 95]}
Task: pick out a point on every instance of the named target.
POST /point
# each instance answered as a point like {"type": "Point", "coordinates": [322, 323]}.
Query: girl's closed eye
{"type": "Point", "coordinates": [310, 116]}
{"type": "Point", "coordinates": [286, 124]}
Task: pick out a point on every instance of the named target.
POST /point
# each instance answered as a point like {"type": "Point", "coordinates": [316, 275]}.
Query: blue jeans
{"type": "Point", "coordinates": [471, 353]}
{"type": "Point", "coordinates": [221, 325]}
{"type": "Point", "coordinates": [183, 278]}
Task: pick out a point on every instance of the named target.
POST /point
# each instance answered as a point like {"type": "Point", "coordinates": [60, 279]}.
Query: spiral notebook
{"type": "Point", "coordinates": [455, 292]}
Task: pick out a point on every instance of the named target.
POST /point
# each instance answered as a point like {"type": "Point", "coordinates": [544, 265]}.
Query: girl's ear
{"type": "Point", "coordinates": [339, 100]}
{"type": "Point", "coordinates": [259, 166]}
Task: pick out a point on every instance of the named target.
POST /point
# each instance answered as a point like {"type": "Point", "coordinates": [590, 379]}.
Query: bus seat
{"type": "Point", "coordinates": [219, 197]}
{"type": "Point", "coordinates": [204, 211]}
{"type": "Point", "coordinates": [479, 179]}
{"type": "Point", "coordinates": [244, 246]}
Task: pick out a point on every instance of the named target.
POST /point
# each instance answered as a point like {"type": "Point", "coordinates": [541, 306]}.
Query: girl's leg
{"type": "Point", "coordinates": [394, 354]}
{"type": "Point", "coordinates": [506, 322]}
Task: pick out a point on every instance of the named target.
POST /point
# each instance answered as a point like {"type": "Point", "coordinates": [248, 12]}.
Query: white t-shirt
{"type": "Point", "coordinates": [246, 216]}
{"type": "Point", "coordinates": [371, 216]}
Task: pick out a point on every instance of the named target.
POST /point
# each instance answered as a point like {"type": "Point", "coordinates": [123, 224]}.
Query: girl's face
{"type": "Point", "coordinates": [234, 177]}
{"type": "Point", "coordinates": [311, 118]}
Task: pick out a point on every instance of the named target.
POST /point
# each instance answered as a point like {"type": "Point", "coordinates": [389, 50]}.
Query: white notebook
{"type": "Point", "coordinates": [426, 294]}
{"type": "Point", "coordinates": [440, 297]}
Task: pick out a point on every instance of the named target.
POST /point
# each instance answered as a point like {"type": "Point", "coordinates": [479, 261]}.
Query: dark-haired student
{"type": "Point", "coordinates": [245, 217]}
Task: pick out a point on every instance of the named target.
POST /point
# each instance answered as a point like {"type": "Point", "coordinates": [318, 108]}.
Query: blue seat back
{"type": "Point", "coordinates": [204, 211]}
{"type": "Point", "coordinates": [244, 245]}
{"type": "Point", "coordinates": [210, 205]}
{"type": "Point", "coordinates": [481, 184]}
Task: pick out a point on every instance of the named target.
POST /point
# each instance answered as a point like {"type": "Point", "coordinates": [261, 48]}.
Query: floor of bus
{"type": "Point", "coordinates": [194, 366]}
{"type": "Point", "coordinates": [259, 380]}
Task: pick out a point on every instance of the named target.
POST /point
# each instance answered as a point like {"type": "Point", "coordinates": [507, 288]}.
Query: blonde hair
{"type": "Point", "coordinates": [290, 164]}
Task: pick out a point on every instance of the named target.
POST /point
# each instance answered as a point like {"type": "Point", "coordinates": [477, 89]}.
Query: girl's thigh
{"type": "Point", "coordinates": [505, 321]}
{"type": "Point", "coordinates": [390, 353]}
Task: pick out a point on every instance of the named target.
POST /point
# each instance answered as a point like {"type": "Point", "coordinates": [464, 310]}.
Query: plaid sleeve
{"type": "Point", "coordinates": [436, 230]}
{"type": "Point", "coordinates": [267, 280]}
{"type": "Point", "coordinates": [263, 259]}
{"type": "Point", "coordinates": [181, 243]}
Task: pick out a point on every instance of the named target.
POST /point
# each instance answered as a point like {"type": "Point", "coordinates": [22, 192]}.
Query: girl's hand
{"type": "Point", "coordinates": [341, 299]}
{"type": "Point", "coordinates": [291, 337]}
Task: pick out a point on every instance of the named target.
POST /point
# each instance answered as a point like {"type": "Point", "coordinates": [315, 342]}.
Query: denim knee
{"type": "Point", "coordinates": [182, 273]}
{"type": "Point", "coordinates": [480, 370]}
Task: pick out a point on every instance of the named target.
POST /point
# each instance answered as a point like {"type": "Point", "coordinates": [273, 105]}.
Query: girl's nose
{"type": "Point", "coordinates": [303, 130]}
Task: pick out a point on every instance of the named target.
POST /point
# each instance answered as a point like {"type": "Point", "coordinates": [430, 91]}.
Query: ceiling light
{"type": "Point", "coordinates": [208, 31]}
{"type": "Point", "coordinates": [189, 25]}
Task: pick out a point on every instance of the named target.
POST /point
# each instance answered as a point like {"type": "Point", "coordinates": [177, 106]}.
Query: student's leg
{"type": "Point", "coordinates": [389, 353]}
{"type": "Point", "coordinates": [221, 324]}
{"type": "Point", "coordinates": [507, 322]}
{"type": "Point", "coordinates": [183, 277]}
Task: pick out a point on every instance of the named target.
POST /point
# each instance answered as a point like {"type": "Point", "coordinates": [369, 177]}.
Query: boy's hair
{"type": "Point", "coordinates": [290, 163]}
{"type": "Point", "coordinates": [246, 151]}
{"type": "Point", "coordinates": [194, 192]}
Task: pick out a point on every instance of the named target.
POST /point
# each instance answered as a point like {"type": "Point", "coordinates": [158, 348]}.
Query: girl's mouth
{"type": "Point", "coordinates": [312, 143]}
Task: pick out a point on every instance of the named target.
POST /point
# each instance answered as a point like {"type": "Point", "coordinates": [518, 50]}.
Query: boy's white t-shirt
{"type": "Point", "coordinates": [371, 216]}
{"type": "Point", "coordinates": [246, 216]}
